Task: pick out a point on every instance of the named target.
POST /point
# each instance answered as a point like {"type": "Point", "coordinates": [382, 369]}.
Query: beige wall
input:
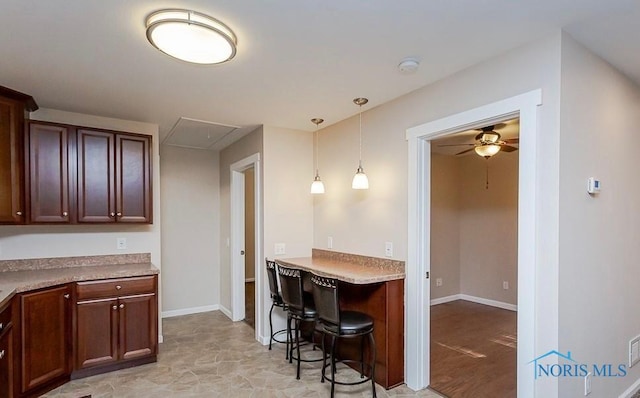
{"type": "Point", "coordinates": [445, 225]}
{"type": "Point", "coordinates": [474, 229]}
{"type": "Point", "coordinates": [599, 270]}
{"type": "Point", "coordinates": [190, 230]}
{"type": "Point", "coordinates": [489, 227]}
{"type": "Point", "coordinates": [249, 225]}
{"type": "Point", "coordinates": [245, 147]}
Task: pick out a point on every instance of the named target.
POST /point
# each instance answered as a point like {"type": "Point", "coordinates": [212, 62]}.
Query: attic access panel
{"type": "Point", "coordinates": [197, 134]}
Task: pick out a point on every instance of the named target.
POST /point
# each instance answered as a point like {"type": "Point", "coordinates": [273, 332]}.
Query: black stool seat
{"type": "Point", "coordinates": [337, 325]}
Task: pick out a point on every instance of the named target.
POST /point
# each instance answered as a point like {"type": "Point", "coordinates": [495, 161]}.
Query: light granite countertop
{"type": "Point", "coordinates": [346, 271]}
{"type": "Point", "coordinates": [12, 282]}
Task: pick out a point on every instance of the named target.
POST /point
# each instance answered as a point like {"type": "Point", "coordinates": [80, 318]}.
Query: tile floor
{"type": "Point", "coordinates": [207, 355]}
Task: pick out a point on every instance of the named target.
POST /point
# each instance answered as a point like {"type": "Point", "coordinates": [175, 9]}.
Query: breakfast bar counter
{"type": "Point", "coordinates": [374, 286]}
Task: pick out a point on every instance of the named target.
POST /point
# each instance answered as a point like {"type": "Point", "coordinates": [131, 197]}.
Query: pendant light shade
{"type": "Point", "coordinates": [317, 187]}
{"type": "Point", "coordinates": [191, 36]}
{"type": "Point", "coordinates": [360, 180]}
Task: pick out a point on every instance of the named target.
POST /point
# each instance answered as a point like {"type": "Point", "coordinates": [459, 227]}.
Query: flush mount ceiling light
{"type": "Point", "coordinates": [317, 186]}
{"type": "Point", "coordinates": [360, 180]}
{"type": "Point", "coordinates": [191, 36]}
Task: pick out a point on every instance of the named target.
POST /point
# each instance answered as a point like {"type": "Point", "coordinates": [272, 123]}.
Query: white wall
{"type": "Point", "coordinates": [33, 241]}
{"type": "Point", "coordinates": [190, 198]}
{"type": "Point", "coordinates": [247, 146]}
{"type": "Point", "coordinates": [360, 222]}
{"type": "Point", "coordinates": [599, 271]}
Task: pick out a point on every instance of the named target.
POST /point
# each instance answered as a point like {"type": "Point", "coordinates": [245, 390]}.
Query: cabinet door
{"type": "Point", "coordinates": [48, 173]}
{"type": "Point", "coordinates": [96, 176]}
{"type": "Point", "coordinates": [6, 363]}
{"type": "Point", "coordinates": [138, 326]}
{"type": "Point", "coordinates": [45, 325]}
{"type": "Point", "coordinates": [96, 341]}
{"type": "Point", "coordinates": [133, 178]}
{"type": "Point", "coordinates": [11, 164]}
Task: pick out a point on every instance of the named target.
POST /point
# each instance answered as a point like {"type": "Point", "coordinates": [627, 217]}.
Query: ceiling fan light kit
{"type": "Point", "coordinates": [191, 36]}
{"type": "Point", "coordinates": [487, 150]}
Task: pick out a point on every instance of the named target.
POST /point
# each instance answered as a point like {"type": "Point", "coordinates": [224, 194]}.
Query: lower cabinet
{"type": "Point", "coordinates": [6, 353]}
{"type": "Point", "coordinates": [45, 338]}
{"type": "Point", "coordinates": [116, 324]}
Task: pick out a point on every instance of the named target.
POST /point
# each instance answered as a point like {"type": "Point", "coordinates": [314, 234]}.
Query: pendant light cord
{"type": "Point", "coordinates": [360, 156]}
{"type": "Point", "coordinates": [317, 150]}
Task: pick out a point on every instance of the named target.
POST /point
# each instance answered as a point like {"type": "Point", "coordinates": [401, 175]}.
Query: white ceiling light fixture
{"type": "Point", "coordinates": [360, 180]}
{"type": "Point", "coordinates": [487, 150]}
{"type": "Point", "coordinates": [191, 36]}
{"type": "Point", "coordinates": [317, 187]}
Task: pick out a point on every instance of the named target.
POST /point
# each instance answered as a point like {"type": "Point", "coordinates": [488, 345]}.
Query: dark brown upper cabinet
{"type": "Point", "coordinates": [49, 181]}
{"type": "Point", "coordinates": [13, 111]}
{"type": "Point", "coordinates": [108, 175]}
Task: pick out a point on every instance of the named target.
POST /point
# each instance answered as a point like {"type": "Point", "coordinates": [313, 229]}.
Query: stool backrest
{"type": "Point", "coordinates": [291, 287]}
{"type": "Point", "coordinates": [273, 279]}
{"type": "Point", "coordinates": [327, 300]}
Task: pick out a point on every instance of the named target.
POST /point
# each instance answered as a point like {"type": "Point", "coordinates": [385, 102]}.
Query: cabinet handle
{"type": "Point", "coordinates": [112, 214]}
{"type": "Point", "coordinates": [1, 326]}
{"type": "Point", "coordinates": [121, 306]}
{"type": "Point", "coordinates": [67, 296]}
{"type": "Point", "coordinates": [118, 287]}
{"type": "Point", "coordinates": [115, 307]}
{"type": "Point", "coordinates": [1, 354]}
{"type": "Point", "coordinates": [64, 214]}
{"type": "Point", "coordinates": [18, 213]}
{"type": "Point", "coordinates": [119, 214]}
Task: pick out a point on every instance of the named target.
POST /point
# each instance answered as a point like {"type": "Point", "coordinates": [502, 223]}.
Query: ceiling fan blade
{"type": "Point", "coordinates": [465, 151]}
{"type": "Point", "coordinates": [512, 140]}
{"type": "Point", "coordinates": [455, 144]}
{"type": "Point", "coordinates": [508, 148]}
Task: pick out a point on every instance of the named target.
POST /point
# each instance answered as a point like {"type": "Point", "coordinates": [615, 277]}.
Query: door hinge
{"type": "Point", "coordinates": [427, 274]}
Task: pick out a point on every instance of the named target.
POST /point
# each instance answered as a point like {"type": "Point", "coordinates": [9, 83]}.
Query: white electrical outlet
{"type": "Point", "coordinates": [438, 281]}
{"type": "Point", "coordinates": [388, 249]}
{"type": "Point", "coordinates": [121, 243]}
{"type": "Point", "coordinates": [329, 243]}
{"type": "Point", "coordinates": [279, 248]}
{"type": "Point", "coordinates": [587, 384]}
{"type": "Point", "coordinates": [634, 351]}
{"type": "Point", "coordinates": [505, 285]}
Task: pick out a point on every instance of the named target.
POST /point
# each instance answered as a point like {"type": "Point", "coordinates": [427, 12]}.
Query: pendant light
{"type": "Point", "coordinates": [317, 186]}
{"type": "Point", "coordinates": [360, 180]}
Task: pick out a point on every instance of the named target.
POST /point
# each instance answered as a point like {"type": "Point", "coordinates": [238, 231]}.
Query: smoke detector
{"type": "Point", "coordinates": [408, 65]}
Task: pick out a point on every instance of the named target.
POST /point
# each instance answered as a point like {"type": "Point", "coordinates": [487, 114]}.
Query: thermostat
{"type": "Point", "coordinates": [593, 185]}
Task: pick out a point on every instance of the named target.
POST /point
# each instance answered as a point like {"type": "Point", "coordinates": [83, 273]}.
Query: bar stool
{"type": "Point", "coordinates": [277, 301]}
{"type": "Point", "coordinates": [300, 309]}
{"type": "Point", "coordinates": [340, 325]}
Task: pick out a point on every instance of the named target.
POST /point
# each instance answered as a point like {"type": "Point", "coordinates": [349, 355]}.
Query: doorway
{"type": "Point", "coordinates": [474, 224]}
{"type": "Point", "coordinates": [418, 266]}
{"type": "Point", "coordinates": [249, 244]}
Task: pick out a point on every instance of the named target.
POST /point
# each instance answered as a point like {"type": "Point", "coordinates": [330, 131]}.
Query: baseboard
{"type": "Point", "coordinates": [492, 303]}
{"type": "Point", "coordinates": [160, 339]}
{"type": "Point", "coordinates": [474, 299]}
{"type": "Point", "coordinates": [446, 299]}
{"type": "Point", "coordinates": [189, 311]}
{"type": "Point", "coordinates": [631, 390]}
{"type": "Point", "coordinates": [250, 280]}
{"type": "Point", "coordinates": [226, 311]}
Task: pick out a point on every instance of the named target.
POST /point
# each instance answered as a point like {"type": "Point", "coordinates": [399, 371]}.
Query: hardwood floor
{"type": "Point", "coordinates": [249, 303]}
{"type": "Point", "coordinates": [473, 350]}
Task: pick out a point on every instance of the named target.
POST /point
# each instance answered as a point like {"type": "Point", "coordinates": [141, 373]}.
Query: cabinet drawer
{"type": "Point", "coordinates": [5, 318]}
{"type": "Point", "coordinates": [115, 287]}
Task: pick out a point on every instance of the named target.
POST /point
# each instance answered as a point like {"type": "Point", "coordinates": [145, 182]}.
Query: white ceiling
{"type": "Point", "coordinates": [296, 59]}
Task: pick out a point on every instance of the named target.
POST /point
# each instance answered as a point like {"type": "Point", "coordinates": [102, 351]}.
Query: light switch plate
{"type": "Point", "coordinates": [388, 249]}
{"type": "Point", "coordinates": [634, 351]}
{"type": "Point", "coordinates": [279, 248]}
{"type": "Point", "coordinates": [121, 243]}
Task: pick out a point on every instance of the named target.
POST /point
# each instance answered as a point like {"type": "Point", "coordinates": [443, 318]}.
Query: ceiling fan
{"type": "Point", "coordinates": [488, 143]}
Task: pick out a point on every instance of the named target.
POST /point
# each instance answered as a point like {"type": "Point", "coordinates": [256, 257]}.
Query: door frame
{"type": "Point", "coordinates": [417, 292]}
{"type": "Point", "coordinates": [236, 244]}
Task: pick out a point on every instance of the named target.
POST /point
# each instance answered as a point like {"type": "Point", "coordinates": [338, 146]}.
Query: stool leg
{"type": "Point", "coordinates": [271, 324]}
{"type": "Point", "coordinates": [298, 347]}
{"type": "Point", "coordinates": [324, 358]}
{"type": "Point", "coordinates": [373, 363]}
{"type": "Point", "coordinates": [361, 357]}
{"type": "Point", "coordinates": [289, 340]}
{"type": "Point", "coordinates": [333, 365]}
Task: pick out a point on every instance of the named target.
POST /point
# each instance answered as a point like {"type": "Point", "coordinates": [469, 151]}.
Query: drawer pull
{"type": "Point", "coordinates": [119, 214]}
{"type": "Point", "coordinates": [112, 214]}
{"type": "Point", "coordinates": [64, 214]}
{"type": "Point", "coordinates": [67, 296]}
{"type": "Point", "coordinates": [1, 326]}
{"type": "Point", "coordinates": [118, 287]}
{"type": "Point", "coordinates": [115, 307]}
{"type": "Point", "coordinates": [121, 306]}
{"type": "Point", "coordinates": [18, 213]}
{"type": "Point", "coordinates": [1, 354]}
